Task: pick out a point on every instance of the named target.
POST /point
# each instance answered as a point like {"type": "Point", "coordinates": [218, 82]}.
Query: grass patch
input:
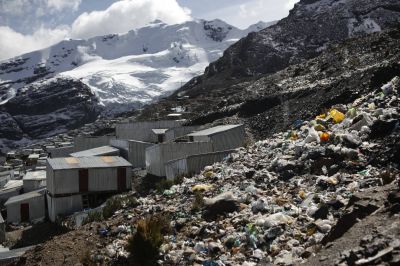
{"type": "Point", "coordinates": [145, 243]}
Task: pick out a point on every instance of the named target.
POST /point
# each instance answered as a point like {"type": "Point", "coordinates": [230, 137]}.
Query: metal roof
{"type": "Point", "coordinates": [12, 184]}
{"type": "Point", "coordinates": [88, 162]}
{"type": "Point", "coordinates": [36, 175]}
{"type": "Point", "coordinates": [214, 130]}
{"type": "Point", "coordinates": [159, 131]}
{"type": "Point", "coordinates": [95, 152]}
{"type": "Point", "coordinates": [33, 156]}
{"type": "Point", "coordinates": [29, 195]}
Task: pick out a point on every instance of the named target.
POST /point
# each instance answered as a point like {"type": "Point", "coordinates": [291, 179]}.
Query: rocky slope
{"type": "Point", "coordinates": [317, 193]}
{"type": "Point", "coordinates": [273, 102]}
{"type": "Point", "coordinates": [122, 71]}
{"type": "Point", "coordinates": [310, 28]}
{"type": "Point", "coordinates": [46, 108]}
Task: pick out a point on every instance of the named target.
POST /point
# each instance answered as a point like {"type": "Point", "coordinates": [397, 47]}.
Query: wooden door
{"type": "Point", "coordinates": [121, 179]}
{"type": "Point", "coordinates": [83, 180]}
{"type": "Point", "coordinates": [25, 212]}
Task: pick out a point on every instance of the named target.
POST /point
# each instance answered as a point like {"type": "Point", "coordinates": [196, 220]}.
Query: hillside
{"type": "Point", "coordinates": [121, 72]}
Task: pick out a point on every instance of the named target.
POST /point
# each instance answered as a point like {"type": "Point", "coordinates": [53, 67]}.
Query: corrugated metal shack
{"type": "Point", "coordinates": [34, 180]}
{"type": "Point", "coordinates": [6, 176]}
{"type": "Point", "coordinates": [193, 164]}
{"type": "Point", "coordinates": [142, 131]}
{"type": "Point", "coordinates": [28, 207]}
{"type": "Point", "coordinates": [224, 137]}
{"type": "Point", "coordinates": [60, 152]}
{"type": "Point", "coordinates": [83, 143]}
{"type": "Point", "coordinates": [177, 132]}
{"type": "Point", "coordinates": [12, 188]}
{"type": "Point", "coordinates": [133, 151]}
{"type": "Point", "coordinates": [77, 183]}
{"type": "Point", "coordinates": [100, 151]}
{"type": "Point", "coordinates": [158, 155]}
{"type": "Point", "coordinates": [2, 230]}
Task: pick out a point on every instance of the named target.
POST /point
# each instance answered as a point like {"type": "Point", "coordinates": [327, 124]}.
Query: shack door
{"type": "Point", "coordinates": [25, 212]}
{"type": "Point", "coordinates": [121, 179]}
{"type": "Point", "coordinates": [83, 180]}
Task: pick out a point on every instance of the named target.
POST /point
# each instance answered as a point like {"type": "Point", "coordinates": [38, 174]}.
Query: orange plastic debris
{"type": "Point", "coordinates": [325, 137]}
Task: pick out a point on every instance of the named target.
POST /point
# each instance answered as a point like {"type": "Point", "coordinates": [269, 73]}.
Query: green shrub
{"type": "Point", "coordinates": [93, 217]}
{"type": "Point", "coordinates": [145, 243]}
{"type": "Point", "coordinates": [198, 201]}
{"type": "Point", "coordinates": [131, 202]}
{"type": "Point", "coordinates": [112, 205]}
{"type": "Point", "coordinates": [86, 260]}
{"type": "Point", "coordinates": [164, 185]}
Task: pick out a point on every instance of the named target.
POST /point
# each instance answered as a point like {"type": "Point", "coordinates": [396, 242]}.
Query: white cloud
{"type": "Point", "coordinates": [63, 4]}
{"type": "Point", "coordinates": [29, 7]}
{"type": "Point", "coordinates": [125, 15]}
{"type": "Point", "coordinates": [252, 11]}
{"type": "Point", "coordinates": [13, 43]}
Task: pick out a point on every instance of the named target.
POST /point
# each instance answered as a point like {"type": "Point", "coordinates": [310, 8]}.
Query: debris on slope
{"type": "Point", "coordinates": [277, 201]}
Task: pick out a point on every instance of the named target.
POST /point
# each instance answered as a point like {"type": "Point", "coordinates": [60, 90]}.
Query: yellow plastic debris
{"type": "Point", "coordinates": [302, 194]}
{"type": "Point", "coordinates": [321, 116]}
{"type": "Point", "coordinates": [202, 187]}
{"type": "Point", "coordinates": [208, 174]}
{"type": "Point", "coordinates": [337, 116]}
{"type": "Point", "coordinates": [372, 106]}
{"type": "Point", "coordinates": [332, 180]}
{"type": "Point", "coordinates": [294, 136]}
{"type": "Point", "coordinates": [319, 127]}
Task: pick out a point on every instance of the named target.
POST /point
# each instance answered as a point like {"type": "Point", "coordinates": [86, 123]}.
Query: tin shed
{"type": "Point", "coordinates": [133, 151]}
{"type": "Point", "coordinates": [224, 137]}
{"type": "Point", "coordinates": [193, 164]}
{"type": "Point", "coordinates": [177, 132]}
{"type": "Point", "coordinates": [88, 142]}
{"type": "Point", "coordinates": [73, 183]}
{"type": "Point", "coordinates": [60, 152]}
{"type": "Point", "coordinates": [12, 188]}
{"type": "Point", "coordinates": [88, 174]}
{"type": "Point", "coordinates": [34, 180]}
{"type": "Point", "coordinates": [28, 207]}
{"type": "Point", "coordinates": [100, 151]}
{"type": "Point", "coordinates": [142, 131]}
{"type": "Point", "coordinates": [158, 155]}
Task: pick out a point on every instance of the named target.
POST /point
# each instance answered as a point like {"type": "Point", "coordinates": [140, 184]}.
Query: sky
{"type": "Point", "coordinates": [28, 25]}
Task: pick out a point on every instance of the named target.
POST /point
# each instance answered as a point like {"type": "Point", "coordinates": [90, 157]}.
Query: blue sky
{"type": "Point", "coordinates": [27, 25]}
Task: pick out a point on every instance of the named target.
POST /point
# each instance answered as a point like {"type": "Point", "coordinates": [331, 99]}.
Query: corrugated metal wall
{"type": "Point", "coordinates": [100, 179]}
{"type": "Point", "coordinates": [158, 155]}
{"type": "Point", "coordinates": [63, 206]}
{"type": "Point", "coordinates": [141, 131]}
{"type": "Point", "coordinates": [86, 143]}
{"type": "Point", "coordinates": [178, 132]}
{"type": "Point", "coordinates": [176, 168]}
{"type": "Point", "coordinates": [61, 152]}
{"type": "Point", "coordinates": [65, 182]}
{"type": "Point", "coordinates": [123, 147]}
{"type": "Point", "coordinates": [36, 209]}
{"type": "Point", "coordinates": [32, 185]}
{"type": "Point", "coordinates": [193, 164]}
{"type": "Point", "coordinates": [137, 153]}
{"type": "Point", "coordinates": [230, 139]}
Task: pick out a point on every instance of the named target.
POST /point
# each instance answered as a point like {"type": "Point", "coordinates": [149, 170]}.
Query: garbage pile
{"type": "Point", "coordinates": [278, 200]}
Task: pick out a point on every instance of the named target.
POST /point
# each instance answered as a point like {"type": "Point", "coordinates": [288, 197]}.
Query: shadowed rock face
{"type": "Point", "coordinates": [272, 103]}
{"type": "Point", "coordinates": [308, 30]}
{"type": "Point", "coordinates": [44, 108]}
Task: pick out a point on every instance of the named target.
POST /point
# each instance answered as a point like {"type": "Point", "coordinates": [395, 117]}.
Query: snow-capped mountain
{"type": "Point", "coordinates": [71, 83]}
{"type": "Point", "coordinates": [127, 70]}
